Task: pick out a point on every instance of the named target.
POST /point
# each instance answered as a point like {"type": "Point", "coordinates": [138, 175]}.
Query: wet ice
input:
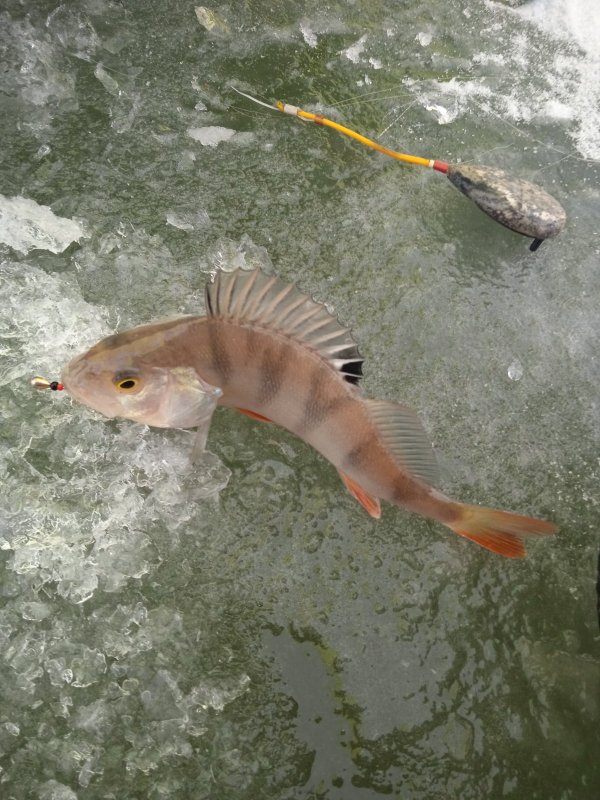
{"type": "Point", "coordinates": [26, 225]}
{"type": "Point", "coordinates": [134, 587]}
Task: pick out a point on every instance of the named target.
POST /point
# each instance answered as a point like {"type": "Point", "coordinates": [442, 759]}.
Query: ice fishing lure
{"type": "Point", "coordinates": [43, 383]}
{"type": "Point", "coordinates": [519, 205]}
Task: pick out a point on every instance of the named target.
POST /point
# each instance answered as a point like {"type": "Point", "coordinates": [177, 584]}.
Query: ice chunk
{"type": "Point", "coordinates": [25, 225]}
{"type": "Point", "coordinates": [93, 718]}
{"type": "Point", "coordinates": [155, 742]}
{"type": "Point", "coordinates": [74, 31]}
{"type": "Point", "coordinates": [57, 671]}
{"type": "Point", "coordinates": [210, 19]}
{"type": "Point", "coordinates": [310, 37]}
{"type": "Point", "coordinates": [229, 255]}
{"type": "Point", "coordinates": [211, 135]}
{"type": "Point", "coordinates": [217, 696]}
{"type": "Point", "coordinates": [127, 102]}
{"type": "Point", "coordinates": [162, 698]}
{"type": "Point", "coordinates": [515, 370]}
{"type": "Point", "coordinates": [11, 728]}
{"type": "Point", "coordinates": [53, 790]}
{"type": "Point", "coordinates": [35, 611]}
{"type": "Point", "coordinates": [188, 220]}
{"type": "Point", "coordinates": [88, 667]}
{"type": "Point", "coordinates": [43, 81]}
{"type": "Point", "coordinates": [109, 83]}
{"type": "Point", "coordinates": [353, 52]}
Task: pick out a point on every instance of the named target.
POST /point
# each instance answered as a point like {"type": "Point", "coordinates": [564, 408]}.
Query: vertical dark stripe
{"type": "Point", "coordinates": [221, 362]}
{"type": "Point", "coordinates": [358, 456]}
{"type": "Point", "coordinates": [274, 361]}
{"type": "Point", "coordinates": [323, 399]}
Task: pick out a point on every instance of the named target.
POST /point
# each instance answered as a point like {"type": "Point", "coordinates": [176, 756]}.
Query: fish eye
{"type": "Point", "coordinates": [127, 384]}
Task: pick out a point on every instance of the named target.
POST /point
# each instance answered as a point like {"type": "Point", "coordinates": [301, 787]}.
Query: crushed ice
{"type": "Point", "coordinates": [26, 225]}
{"type": "Point", "coordinates": [210, 135]}
{"type": "Point", "coordinates": [354, 52]}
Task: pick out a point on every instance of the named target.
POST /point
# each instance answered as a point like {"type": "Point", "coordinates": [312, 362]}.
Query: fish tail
{"type": "Point", "coordinates": [499, 531]}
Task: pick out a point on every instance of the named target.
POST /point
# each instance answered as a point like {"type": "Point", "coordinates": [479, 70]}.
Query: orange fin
{"type": "Point", "coordinates": [253, 415]}
{"type": "Point", "coordinates": [499, 531]}
{"type": "Point", "coordinates": [367, 501]}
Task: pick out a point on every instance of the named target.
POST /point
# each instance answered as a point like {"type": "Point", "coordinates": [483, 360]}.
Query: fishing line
{"type": "Point", "coordinates": [516, 204]}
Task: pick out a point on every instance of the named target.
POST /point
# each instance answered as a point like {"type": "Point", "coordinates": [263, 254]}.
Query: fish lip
{"type": "Point", "coordinates": [68, 378]}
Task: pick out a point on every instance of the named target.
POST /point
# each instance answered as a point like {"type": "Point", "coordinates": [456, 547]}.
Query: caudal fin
{"type": "Point", "coordinates": [499, 531]}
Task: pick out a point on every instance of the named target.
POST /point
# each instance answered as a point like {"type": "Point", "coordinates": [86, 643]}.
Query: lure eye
{"type": "Point", "coordinates": [127, 384]}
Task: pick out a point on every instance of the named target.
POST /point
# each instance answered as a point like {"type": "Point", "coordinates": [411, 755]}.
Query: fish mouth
{"type": "Point", "coordinates": [72, 376]}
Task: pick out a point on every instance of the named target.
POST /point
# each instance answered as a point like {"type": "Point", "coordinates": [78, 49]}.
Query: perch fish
{"type": "Point", "coordinates": [277, 355]}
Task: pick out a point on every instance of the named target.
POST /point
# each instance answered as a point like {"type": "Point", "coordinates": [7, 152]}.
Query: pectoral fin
{"type": "Point", "coordinates": [367, 501]}
{"type": "Point", "coordinates": [188, 401]}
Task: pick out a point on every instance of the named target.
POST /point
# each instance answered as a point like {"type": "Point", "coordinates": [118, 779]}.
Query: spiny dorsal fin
{"type": "Point", "coordinates": [404, 436]}
{"type": "Point", "coordinates": [252, 297]}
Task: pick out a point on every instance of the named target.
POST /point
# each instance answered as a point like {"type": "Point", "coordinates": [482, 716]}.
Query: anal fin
{"type": "Point", "coordinates": [253, 415]}
{"type": "Point", "coordinates": [367, 501]}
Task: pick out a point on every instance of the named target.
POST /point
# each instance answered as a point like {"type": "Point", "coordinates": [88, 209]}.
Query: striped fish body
{"type": "Point", "coordinates": [270, 351]}
{"type": "Point", "coordinates": [265, 372]}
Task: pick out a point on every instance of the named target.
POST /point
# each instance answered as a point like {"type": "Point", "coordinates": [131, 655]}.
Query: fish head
{"type": "Point", "coordinates": [122, 376]}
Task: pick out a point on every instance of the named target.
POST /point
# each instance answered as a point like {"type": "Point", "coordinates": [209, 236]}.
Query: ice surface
{"type": "Point", "coordinates": [578, 93]}
{"type": "Point", "coordinates": [26, 225]}
{"type": "Point", "coordinates": [565, 88]}
{"type": "Point", "coordinates": [239, 627]}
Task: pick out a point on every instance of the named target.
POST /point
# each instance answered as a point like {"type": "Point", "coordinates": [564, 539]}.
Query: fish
{"type": "Point", "coordinates": [277, 355]}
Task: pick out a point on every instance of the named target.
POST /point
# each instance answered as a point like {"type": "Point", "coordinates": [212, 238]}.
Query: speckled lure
{"type": "Point", "coordinates": [517, 204]}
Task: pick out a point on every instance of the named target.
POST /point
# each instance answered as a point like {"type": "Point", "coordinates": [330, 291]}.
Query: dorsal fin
{"type": "Point", "coordinates": [252, 297]}
{"type": "Point", "coordinates": [402, 433]}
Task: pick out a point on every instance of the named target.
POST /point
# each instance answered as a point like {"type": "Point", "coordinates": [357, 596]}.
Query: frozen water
{"type": "Point", "coordinates": [188, 220]}
{"type": "Point", "coordinates": [238, 627]}
{"type": "Point", "coordinates": [211, 135]}
{"type": "Point", "coordinates": [25, 225]}
{"type": "Point", "coordinates": [515, 370]}
{"type": "Point", "coordinates": [354, 52]}
{"type": "Point", "coordinates": [565, 88]}
{"type": "Point", "coordinates": [310, 37]}
{"type": "Point", "coordinates": [109, 83]}
{"type": "Point", "coordinates": [578, 93]}
{"type": "Point", "coordinates": [210, 19]}
{"type": "Point", "coordinates": [53, 790]}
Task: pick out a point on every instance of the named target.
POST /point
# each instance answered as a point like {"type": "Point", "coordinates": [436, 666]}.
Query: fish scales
{"type": "Point", "coordinates": [316, 404]}
{"type": "Point", "coordinates": [276, 354]}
